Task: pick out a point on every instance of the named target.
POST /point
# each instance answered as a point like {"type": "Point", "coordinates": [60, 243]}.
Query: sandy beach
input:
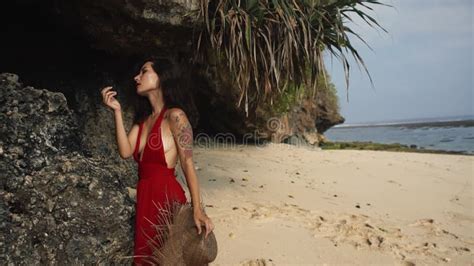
{"type": "Point", "coordinates": [282, 205]}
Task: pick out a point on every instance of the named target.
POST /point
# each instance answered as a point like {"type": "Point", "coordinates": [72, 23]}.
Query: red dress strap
{"type": "Point", "coordinates": [160, 117]}
{"type": "Point", "coordinates": [137, 145]}
{"type": "Point", "coordinates": [157, 123]}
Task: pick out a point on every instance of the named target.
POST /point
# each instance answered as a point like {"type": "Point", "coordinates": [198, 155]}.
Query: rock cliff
{"type": "Point", "coordinates": [63, 186]}
{"type": "Point", "coordinates": [75, 47]}
{"type": "Point", "coordinates": [58, 205]}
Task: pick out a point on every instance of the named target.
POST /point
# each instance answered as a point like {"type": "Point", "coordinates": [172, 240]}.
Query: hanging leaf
{"type": "Point", "coordinates": [269, 43]}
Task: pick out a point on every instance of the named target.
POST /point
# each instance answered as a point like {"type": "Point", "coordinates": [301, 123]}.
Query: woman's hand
{"type": "Point", "coordinates": [201, 219]}
{"type": "Point", "coordinates": [109, 100]}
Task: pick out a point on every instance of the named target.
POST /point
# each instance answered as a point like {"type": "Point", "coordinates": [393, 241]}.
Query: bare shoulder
{"type": "Point", "coordinates": [177, 115]}
{"type": "Point", "coordinates": [182, 132]}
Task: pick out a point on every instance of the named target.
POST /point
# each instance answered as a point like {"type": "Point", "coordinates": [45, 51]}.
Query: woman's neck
{"type": "Point", "coordinates": [156, 101]}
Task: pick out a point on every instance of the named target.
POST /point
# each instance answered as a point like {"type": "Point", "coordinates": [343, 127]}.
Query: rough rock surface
{"type": "Point", "coordinates": [165, 28]}
{"type": "Point", "coordinates": [57, 205]}
{"type": "Point", "coordinates": [298, 126]}
{"type": "Point", "coordinates": [132, 26]}
{"type": "Point", "coordinates": [86, 44]}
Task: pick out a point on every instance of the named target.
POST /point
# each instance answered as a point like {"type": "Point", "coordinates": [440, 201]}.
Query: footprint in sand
{"type": "Point", "coordinates": [394, 182]}
{"type": "Point", "coordinates": [433, 228]}
{"type": "Point", "coordinates": [261, 215]}
{"type": "Point", "coordinates": [424, 222]}
{"type": "Point", "coordinates": [257, 262]}
{"type": "Point", "coordinates": [363, 232]}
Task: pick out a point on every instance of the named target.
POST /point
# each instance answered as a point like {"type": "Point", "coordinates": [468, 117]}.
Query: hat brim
{"type": "Point", "coordinates": [180, 242]}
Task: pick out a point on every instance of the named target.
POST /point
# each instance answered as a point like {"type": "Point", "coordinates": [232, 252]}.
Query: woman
{"type": "Point", "coordinates": [158, 137]}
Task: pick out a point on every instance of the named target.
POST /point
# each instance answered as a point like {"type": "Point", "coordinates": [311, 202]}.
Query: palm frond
{"type": "Point", "coordinates": [267, 43]}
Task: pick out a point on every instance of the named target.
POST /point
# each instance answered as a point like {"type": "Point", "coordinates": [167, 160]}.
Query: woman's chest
{"type": "Point", "coordinates": [167, 137]}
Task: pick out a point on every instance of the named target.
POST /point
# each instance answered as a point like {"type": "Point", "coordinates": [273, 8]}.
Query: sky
{"type": "Point", "coordinates": [421, 68]}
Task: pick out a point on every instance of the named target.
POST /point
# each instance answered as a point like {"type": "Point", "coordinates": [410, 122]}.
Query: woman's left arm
{"type": "Point", "coordinates": [183, 136]}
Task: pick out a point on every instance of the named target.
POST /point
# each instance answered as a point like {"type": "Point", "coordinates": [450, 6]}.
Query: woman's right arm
{"type": "Point", "coordinates": [126, 144]}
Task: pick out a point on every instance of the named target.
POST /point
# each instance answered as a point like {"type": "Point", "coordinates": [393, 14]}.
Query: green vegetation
{"type": "Point", "coordinates": [325, 93]}
{"type": "Point", "coordinates": [357, 145]}
{"type": "Point", "coordinates": [270, 45]}
{"type": "Point", "coordinates": [292, 95]}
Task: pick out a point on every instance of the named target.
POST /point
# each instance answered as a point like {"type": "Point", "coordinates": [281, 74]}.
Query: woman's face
{"type": "Point", "coordinates": [147, 79]}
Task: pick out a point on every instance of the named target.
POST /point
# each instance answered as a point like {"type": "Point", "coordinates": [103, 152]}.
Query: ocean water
{"type": "Point", "coordinates": [435, 134]}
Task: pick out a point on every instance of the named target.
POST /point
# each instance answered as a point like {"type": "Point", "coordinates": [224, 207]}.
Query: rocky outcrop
{"type": "Point", "coordinates": [58, 206]}
{"type": "Point", "coordinates": [63, 188]}
{"type": "Point", "coordinates": [297, 126]}
{"type": "Point", "coordinates": [326, 115]}
{"type": "Point", "coordinates": [133, 26]}
{"type": "Point", "coordinates": [85, 45]}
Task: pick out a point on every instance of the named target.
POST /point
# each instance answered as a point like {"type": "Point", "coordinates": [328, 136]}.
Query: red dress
{"type": "Point", "coordinates": [157, 188]}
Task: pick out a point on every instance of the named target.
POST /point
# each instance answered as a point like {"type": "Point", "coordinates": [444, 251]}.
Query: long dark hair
{"type": "Point", "coordinates": [174, 83]}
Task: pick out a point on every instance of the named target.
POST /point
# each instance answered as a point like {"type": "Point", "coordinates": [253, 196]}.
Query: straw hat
{"type": "Point", "coordinates": [181, 244]}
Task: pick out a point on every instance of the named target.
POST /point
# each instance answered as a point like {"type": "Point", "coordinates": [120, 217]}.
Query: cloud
{"type": "Point", "coordinates": [451, 21]}
{"type": "Point", "coordinates": [427, 55]}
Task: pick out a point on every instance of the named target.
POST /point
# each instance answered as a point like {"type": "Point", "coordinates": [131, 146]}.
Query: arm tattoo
{"type": "Point", "coordinates": [184, 134]}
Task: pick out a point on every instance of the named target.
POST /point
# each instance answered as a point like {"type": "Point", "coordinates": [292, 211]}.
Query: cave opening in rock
{"type": "Point", "coordinates": [47, 51]}
{"type": "Point", "coordinates": [47, 45]}
{"type": "Point", "coordinates": [79, 46]}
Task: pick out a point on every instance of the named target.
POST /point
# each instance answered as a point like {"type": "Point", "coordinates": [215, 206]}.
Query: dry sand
{"type": "Point", "coordinates": [282, 205]}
